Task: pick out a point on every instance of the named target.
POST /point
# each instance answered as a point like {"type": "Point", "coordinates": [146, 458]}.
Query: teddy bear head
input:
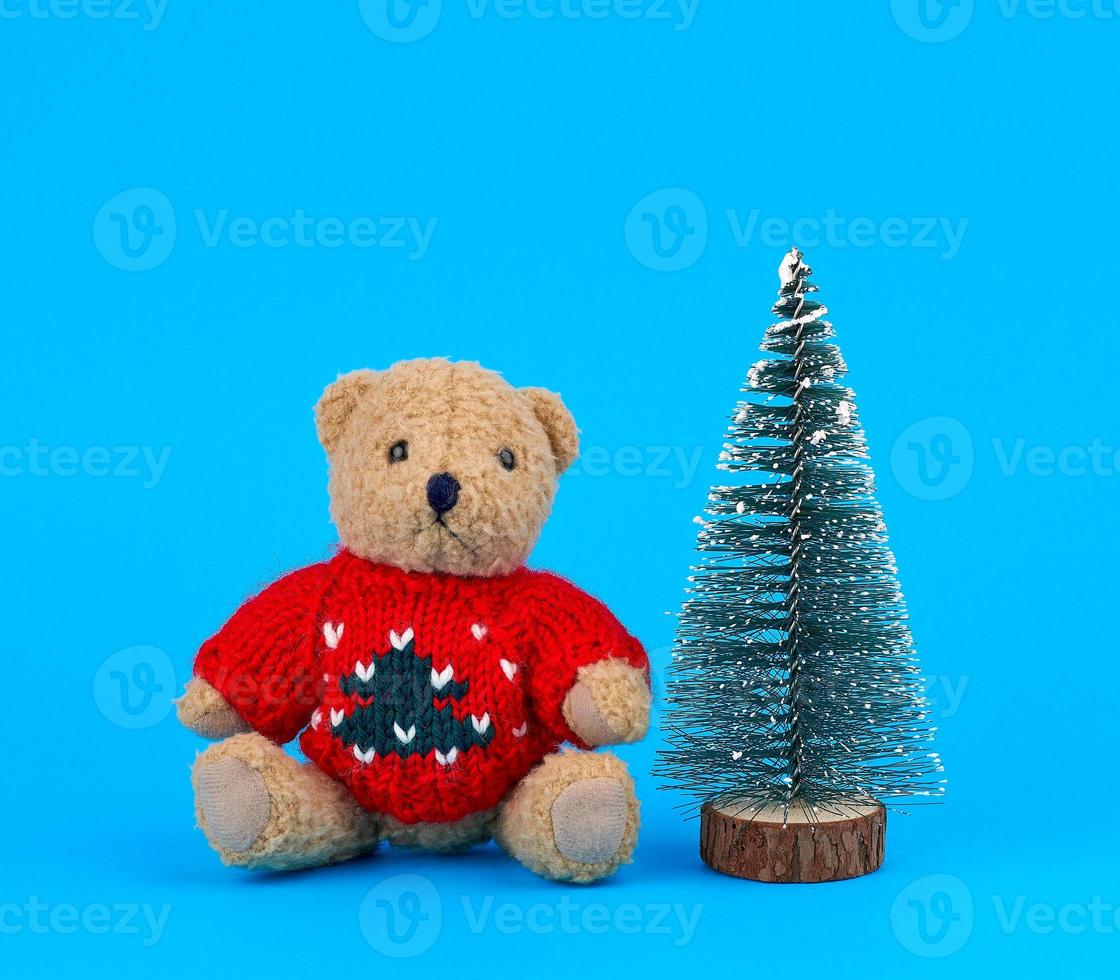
{"type": "Point", "coordinates": [438, 466]}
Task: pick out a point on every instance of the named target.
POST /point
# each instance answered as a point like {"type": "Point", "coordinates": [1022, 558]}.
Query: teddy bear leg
{"type": "Point", "coordinates": [259, 808]}
{"type": "Point", "coordinates": [573, 818]}
{"type": "Point", "coordinates": [441, 838]}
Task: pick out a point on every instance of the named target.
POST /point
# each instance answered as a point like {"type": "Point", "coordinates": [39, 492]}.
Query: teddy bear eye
{"type": "Point", "coordinates": [507, 459]}
{"type": "Point", "coordinates": [398, 452]}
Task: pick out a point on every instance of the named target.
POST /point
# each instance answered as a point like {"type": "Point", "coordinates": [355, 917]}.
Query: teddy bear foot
{"type": "Point", "coordinates": [573, 818]}
{"type": "Point", "coordinates": [261, 809]}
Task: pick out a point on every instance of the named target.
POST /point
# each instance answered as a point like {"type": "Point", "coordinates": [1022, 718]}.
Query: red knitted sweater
{"type": "Point", "coordinates": [429, 696]}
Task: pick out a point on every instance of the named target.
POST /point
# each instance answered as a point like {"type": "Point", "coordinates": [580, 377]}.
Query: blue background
{"type": "Point", "coordinates": [530, 140]}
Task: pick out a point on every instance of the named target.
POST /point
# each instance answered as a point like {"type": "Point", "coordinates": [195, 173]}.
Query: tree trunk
{"type": "Point", "coordinates": [765, 843]}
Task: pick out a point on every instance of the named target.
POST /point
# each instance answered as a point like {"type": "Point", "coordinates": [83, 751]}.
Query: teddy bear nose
{"type": "Point", "coordinates": [443, 493]}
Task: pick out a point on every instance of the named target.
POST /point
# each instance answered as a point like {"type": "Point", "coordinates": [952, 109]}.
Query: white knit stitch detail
{"type": "Point", "coordinates": [440, 678]}
{"type": "Point", "coordinates": [400, 640]}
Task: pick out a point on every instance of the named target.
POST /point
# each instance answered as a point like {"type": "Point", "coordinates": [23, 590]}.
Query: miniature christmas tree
{"type": "Point", "coordinates": [796, 704]}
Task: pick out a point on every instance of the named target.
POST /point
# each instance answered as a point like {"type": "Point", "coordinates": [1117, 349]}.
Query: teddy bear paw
{"type": "Point", "coordinates": [609, 703]}
{"type": "Point", "coordinates": [205, 712]}
{"type": "Point", "coordinates": [234, 804]}
{"type": "Point", "coordinates": [589, 820]}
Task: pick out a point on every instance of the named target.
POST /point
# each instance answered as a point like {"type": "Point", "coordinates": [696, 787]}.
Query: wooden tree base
{"type": "Point", "coordinates": [767, 844]}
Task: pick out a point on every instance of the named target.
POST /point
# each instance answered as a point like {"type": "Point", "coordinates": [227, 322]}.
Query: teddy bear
{"type": "Point", "coordinates": [444, 693]}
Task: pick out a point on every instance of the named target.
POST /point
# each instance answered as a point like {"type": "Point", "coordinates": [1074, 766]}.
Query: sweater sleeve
{"type": "Point", "coordinates": [571, 629]}
{"type": "Point", "coordinates": [264, 661]}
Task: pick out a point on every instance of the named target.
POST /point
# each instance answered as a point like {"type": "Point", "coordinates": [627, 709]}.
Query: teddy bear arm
{"type": "Point", "coordinates": [261, 667]}
{"type": "Point", "coordinates": [590, 677]}
{"type": "Point", "coordinates": [609, 703]}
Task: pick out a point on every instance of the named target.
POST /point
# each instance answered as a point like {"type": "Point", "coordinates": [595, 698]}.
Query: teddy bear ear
{"type": "Point", "coordinates": [558, 425]}
{"type": "Point", "coordinates": [338, 403]}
